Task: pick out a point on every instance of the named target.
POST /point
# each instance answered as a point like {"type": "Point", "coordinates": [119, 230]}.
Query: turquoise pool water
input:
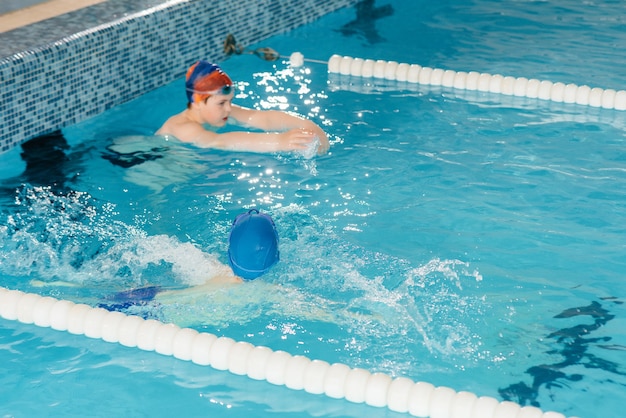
{"type": "Point", "coordinates": [470, 240]}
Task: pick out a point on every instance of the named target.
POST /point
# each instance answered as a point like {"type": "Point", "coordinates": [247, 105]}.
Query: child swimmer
{"type": "Point", "coordinates": [210, 94]}
{"type": "Point", "coordinates": [252, 252]}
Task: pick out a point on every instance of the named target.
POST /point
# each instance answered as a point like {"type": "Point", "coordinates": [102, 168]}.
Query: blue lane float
{"type": "Point", "coordinates": [318, 377]}
{"type": "Point", "coordinates": [473, 81]}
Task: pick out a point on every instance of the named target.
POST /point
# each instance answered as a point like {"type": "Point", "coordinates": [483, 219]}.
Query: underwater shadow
{"type": "Point", "coordinates": [48, 163]}
{"type": "Point", "coordinates": [364, 25]}
{"type": "Point", "coordinates": [575, 343]}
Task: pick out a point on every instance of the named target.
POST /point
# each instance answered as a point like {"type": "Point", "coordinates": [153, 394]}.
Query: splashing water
{"type": "Point", "coordinates": [68, 237]}
{"type": "Point", "coordinates": [320, 282]}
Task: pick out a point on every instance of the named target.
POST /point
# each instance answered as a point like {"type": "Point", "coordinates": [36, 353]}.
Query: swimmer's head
{"type": "Point", "coordinates": [205, 79]}
{"type": "Point", "coordinates": [252, 245]}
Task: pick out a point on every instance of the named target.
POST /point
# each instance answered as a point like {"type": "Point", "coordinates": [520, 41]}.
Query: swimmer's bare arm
{"type": "Point", "coordinates": [274, 120]}
{"type": "Point", "coordinates": [188, 131]}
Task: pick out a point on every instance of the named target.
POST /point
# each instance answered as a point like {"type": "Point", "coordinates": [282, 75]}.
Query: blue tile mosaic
{"type": "Point", "coordinates": [85, 62]}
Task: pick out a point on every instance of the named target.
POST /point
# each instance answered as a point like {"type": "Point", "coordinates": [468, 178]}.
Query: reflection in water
{"type": "Point", "coordinates": [154, 162]}
{"type": "Point", "coordinates": [46, 160]}
{"type": "Point", "coordinates": [48, 163]}
{"type": "Point", "coordinates": [574, 348]}
{"type": "Point", "coordinates": [365, 23]}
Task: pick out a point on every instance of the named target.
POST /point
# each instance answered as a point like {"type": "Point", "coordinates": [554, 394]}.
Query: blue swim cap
{"type": "Point", "coordinates": [252, 245]}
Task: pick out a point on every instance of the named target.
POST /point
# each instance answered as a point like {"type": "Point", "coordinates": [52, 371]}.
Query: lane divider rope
{"type": "Point", "coordinates": [474, 81]}
{"type": "Point", "coordinates": [337, 381]}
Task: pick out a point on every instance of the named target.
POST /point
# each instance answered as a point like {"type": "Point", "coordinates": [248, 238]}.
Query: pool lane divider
{"type": "Point", "coordinates": [473, 81]}
{"type": "Point", "coordinates": [338, 381]}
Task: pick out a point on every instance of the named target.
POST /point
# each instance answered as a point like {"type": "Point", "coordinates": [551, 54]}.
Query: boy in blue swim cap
{"type": "Point", "coordinates": [210, 92]}
{"type": "Point", "coordinates": [252, 252]}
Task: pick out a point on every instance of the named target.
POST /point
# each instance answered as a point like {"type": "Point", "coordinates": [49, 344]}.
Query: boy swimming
{"type": "Point", "coordinates": [210, 93]}
{"type": "Point", "coordinates": [252, 252]}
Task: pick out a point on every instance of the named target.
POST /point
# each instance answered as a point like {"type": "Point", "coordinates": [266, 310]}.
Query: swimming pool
{"type": "Point", "coordinates": [468, 240]}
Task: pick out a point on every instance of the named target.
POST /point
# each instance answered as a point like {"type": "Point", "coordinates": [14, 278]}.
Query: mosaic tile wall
{"type": "Point", "coordinates": [65, 81]}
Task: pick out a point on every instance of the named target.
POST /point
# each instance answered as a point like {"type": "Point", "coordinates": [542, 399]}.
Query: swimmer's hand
{"type": "Point", "coordinates": [303, 139]}
{"type": "Point", "coordinates": [295, 140]}
{"type": "Point", "coordinates": [324, 145]}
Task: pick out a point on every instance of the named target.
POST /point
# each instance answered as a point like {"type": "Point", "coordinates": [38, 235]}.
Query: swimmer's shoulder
{"type": "Point", "coordinates": [173, 124]}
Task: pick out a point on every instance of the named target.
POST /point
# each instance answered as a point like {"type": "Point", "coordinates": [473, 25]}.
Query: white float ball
{"type": "Point", "coordinates": [551, 414]}
{"type": "Point", "coordinates": [471, 83]}
{"type": "Point", "coordinates": [413, 76]}
{"type": "Point", "coordinates": [238, 358]}
{"type": "Point", "coordinates": [484, 80]}
{"type": "Point", "coordinates": [182, 346]}
{"type": "Point", "coordinates": [495, 83]}
{"type": "Point", "coordinates": [460, 80]}
{"type": "Point", "coordinates": [294, 372]}
{"type": "Point", "coordinates": [530, 412]}
{"type": "Point", "coordinates": [356, 68]}
{"type": "Point", "coordinates": [201, 348]}
{"type": "Point", "coordinates": [111, 325]}
{"type": "Point", "coordinates": [424, 75]}
{"type": "Point", "coordinates": [545, 90]}
{"type": "Point", "coordinates": [557, 91]}
{"type": "Point", "coordinates": [276, 367]}
{"type": "Point", "coordinates": [508, 85]}
{"type": "Point", "coordinates": [146, 334]}
{"type": "Point", "coordinates": [314, 376]}
{"type": "Point", "coordinates": [344, 65]}
{"type": "Point", "coordinates": [447, 79]}
{"type": "Point", "coordinates": [569, 94]}
{"type": "Point", "coordinates": [620, 100]}
{"type": "Point", "coordinates": [296, 59]}
{"type": "Point", "coordinates": [419, 399]}
{"type": "Point", "coordinates": [441, 402]}
{"type": "Point", "coordinates": [532, 88]}
{"type": "Point", "coordinates": [595, 97]}
{"type": "Point", "coordinates": [59, 314]}
{"type": "Point", "coordinates": [462, 405]}
{"type": "Point", "coordinates": [26, 307]}
{"type": "Point", "coordinates": [582, 95]}
{"type": "Point", "coordinates": [436, 77]}
{"type": "Point", "coordinates": [356, 382]}
{"type": "Point", "coordinates": [41, 311]}
{"type": "Point", "coordinates": [398, 394]}
{"type": "Point", "coordinates": [379, 69]}
{"type": "Point", "coordinates": [9, 302]}
{"type": "Point", "coordinates": [376, 390]}
{"type": "Point", "coordinates": [485, 406]}
{"type": "Point", "coordinates": [128, 330]}
{"type": "Point", "coordinates": [257, 362]}
{"type": "Point", "coordinates": [367, 70]}
{"type": "Point", "coordinates": [390, 70]}
{"type": "Point", "coordinates": [164, 339]}
{"type": "Point", "coordinates": [92, 327]}
{"type": "Point", "coordinates": [506, 409]}
{"type": "Point", "coordinates": [333, 63]}
{"type": "Point", "coordinates": [402, 72]}
{"type": "Point", "coordinates": [335, 380]}
{"type": "Point", "coordinates": [608, 99]}
{"type": "Point", "coordinates": [520, 87]}
{"type": "Point", "coordinates": [76, 320]}
{"type": "Point", "coordinates": [220, 351]}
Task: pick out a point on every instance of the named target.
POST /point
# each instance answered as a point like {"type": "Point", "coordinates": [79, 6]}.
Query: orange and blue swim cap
{"type": "Point", "coordinates": [205, 79]}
